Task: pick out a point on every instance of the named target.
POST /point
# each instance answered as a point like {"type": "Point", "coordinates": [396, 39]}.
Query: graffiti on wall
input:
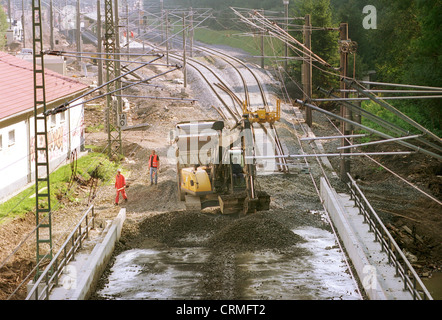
{"type": "Point", "coordinates": [57, 144]}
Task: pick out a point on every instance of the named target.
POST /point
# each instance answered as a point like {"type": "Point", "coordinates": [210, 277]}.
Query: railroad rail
{"type": "Point", "coordinates": [234, 113]}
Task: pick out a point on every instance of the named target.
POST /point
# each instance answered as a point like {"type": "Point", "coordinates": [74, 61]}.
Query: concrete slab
{"type": "Point", "coordinates": [374, 271]}
{"type": "Point", "coordinates": [81, 275]}
{"type": "Point", "coordinates": [379, 264]}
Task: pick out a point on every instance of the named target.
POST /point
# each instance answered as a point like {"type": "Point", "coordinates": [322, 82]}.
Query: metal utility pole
{"type": "Point", "coordinates": [41, 157]}
{"type": "Point", "coordinates": [262, 49]}
{"type": "Point", "coordinates": [127, 27]}
{"type": "Point", "coordinates": [344, 111]}
{"type": "Point", "coordinates": [78, 34]}
{"type": "Point", "coordinates": [119, 106]}
{"type": "Point", "coordinates": [110, 47]}
{"type": "Point", "coordinates": [184, 51]}
{"type": "Point", "coordinates": [167, 37]}
{"type": "Point", "coordinates": [23, 22]}
{"type": "Point", "coordinates": [51, 25]}
{"type": "Point", "coordinates": [191, 32]}
{"type": "Point", "coordinates": [262, 45]}
{"type": "Point", "coordinates": [286, 51]}
{"type": "Point", "coordinates": [99, 43]}
{"type": "Point", "coordinates": [307, 68]}
{"type": "Point", "coordinates": [162, 22]}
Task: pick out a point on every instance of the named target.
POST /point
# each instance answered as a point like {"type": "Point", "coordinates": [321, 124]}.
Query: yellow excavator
{"type": "Point", "coordinates": [213, 168]}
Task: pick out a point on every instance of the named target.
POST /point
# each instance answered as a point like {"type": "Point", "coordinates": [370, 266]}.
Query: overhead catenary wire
{"type": "Point", "coordinates": [369, 129]}
{"type": "Point", "coordinates": [68, 104]}
{"type": "Point", "coordinates": [378, 100]}
{"type": "Point", "coordinates": [378, 120]}
{"type": "Point", "coordinates": [284, 90]}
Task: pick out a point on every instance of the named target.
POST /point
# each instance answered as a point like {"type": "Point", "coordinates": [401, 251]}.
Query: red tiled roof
{"type": "Point", "coordinates": [17, 85]}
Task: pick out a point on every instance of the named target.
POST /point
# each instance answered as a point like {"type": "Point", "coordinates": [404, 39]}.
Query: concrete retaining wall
{"type": "Point", "coordinates": [354, 248]}
{"type": "Point", "coordinates": [88, 268]}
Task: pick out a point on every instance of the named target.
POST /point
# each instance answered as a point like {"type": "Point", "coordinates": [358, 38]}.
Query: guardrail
{"type": "Point", "coordinates": [396, 257]}
{"type": "Point", "coordinates": [50, 276]}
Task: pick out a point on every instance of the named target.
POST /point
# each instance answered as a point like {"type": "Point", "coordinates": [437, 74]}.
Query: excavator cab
{"type": "Point", "coordinates": [217, 175]}
{"type": "Point", "coordinates": [237, 171]}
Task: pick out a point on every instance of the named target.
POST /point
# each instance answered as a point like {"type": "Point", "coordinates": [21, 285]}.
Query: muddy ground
{"type": "Point", "coordinates": [154, 214]}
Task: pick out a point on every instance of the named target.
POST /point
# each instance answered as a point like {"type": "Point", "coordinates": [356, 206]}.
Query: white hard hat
{"type": "Point", "coordinates": [119, 170]}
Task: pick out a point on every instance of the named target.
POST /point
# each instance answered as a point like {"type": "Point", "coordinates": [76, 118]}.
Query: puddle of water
{"type": "Point", "coordinates": [150, 274]}
{"type": "Point", "coordinates": [319, 275]}
{"type": "Point", "coordinates": [434, 285]}
{"type": "Point", "coordinates": [176, 273]}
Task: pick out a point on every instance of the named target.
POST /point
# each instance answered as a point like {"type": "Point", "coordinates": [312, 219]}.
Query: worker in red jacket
{"type": "Point", "coordinates": [120, 185]}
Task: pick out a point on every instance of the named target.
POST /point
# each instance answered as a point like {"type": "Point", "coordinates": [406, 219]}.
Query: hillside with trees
{"type": "Point", "coordinates": [405, 47]}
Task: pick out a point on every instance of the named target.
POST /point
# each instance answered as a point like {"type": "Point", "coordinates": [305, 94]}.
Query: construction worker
{"type": "Point", "coordinates": [120, 185]}
{"type": "Point", "coordinates": [154, 167]}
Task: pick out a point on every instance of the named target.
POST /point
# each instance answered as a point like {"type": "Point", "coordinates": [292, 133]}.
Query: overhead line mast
{"type": "Point", "coordinates": [113, 110]}
{"type": "Point", "coordinates": [42, 185]}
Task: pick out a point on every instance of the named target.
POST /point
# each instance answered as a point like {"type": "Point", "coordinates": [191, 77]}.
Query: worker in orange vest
{"type": "Point", "coordinates": [120, 185]}
{"type": "Point", "coordinates": [154, 166]}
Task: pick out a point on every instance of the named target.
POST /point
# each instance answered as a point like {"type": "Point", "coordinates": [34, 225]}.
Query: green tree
{"type": "Point", "coordinates": [405, 47]}
{"type": "Point", "coordinates": [324, 42]}
{"type": "Point", "coordinates": [3, 27]}
{"type": "Point", "coordinates": [423, 65]}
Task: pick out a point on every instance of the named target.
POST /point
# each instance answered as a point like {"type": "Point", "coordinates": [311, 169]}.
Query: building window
{"type": "Point", "coordinates": [53, 120]}
{"type": "Point", "coordinates": [1, 142]}
{"type": "Point", "coordinates": [11, 138]}
{"type": "Point", "coordinates": [63, 117]}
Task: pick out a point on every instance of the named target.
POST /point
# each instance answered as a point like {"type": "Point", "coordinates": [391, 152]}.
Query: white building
{"type": "Point", "coordinates": [65, 130]}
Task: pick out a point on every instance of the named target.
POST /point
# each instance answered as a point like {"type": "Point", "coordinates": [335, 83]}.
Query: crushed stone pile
{"type": "Point", "coordinates": [253, 232]}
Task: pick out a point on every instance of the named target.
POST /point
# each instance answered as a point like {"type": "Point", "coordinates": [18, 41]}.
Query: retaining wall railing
{"type": "Point", "coordinates": [51, 275]}
{"type": "Point", "coordinates": [396, 257]}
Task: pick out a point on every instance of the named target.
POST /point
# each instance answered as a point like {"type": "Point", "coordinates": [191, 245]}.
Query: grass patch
{"type": "Point", "coordinates": [385, 114]}
{"type": "Point", "coordinates": [92, 164]}
{"type": "Point", "coordinates": [233, 39]}
{"type": "Point", "coordinates": [96, 128]}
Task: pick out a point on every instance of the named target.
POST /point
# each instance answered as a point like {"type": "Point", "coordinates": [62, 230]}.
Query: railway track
{"type": "Point", "coordinates": [266, 139]}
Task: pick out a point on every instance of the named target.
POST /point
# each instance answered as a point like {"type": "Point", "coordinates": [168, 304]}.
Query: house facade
{"type": "Point", "coordinates": [17, 131]}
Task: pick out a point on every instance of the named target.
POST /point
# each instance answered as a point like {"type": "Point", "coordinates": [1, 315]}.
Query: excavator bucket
{"type": "Point", "coordinates": [242, 204]}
